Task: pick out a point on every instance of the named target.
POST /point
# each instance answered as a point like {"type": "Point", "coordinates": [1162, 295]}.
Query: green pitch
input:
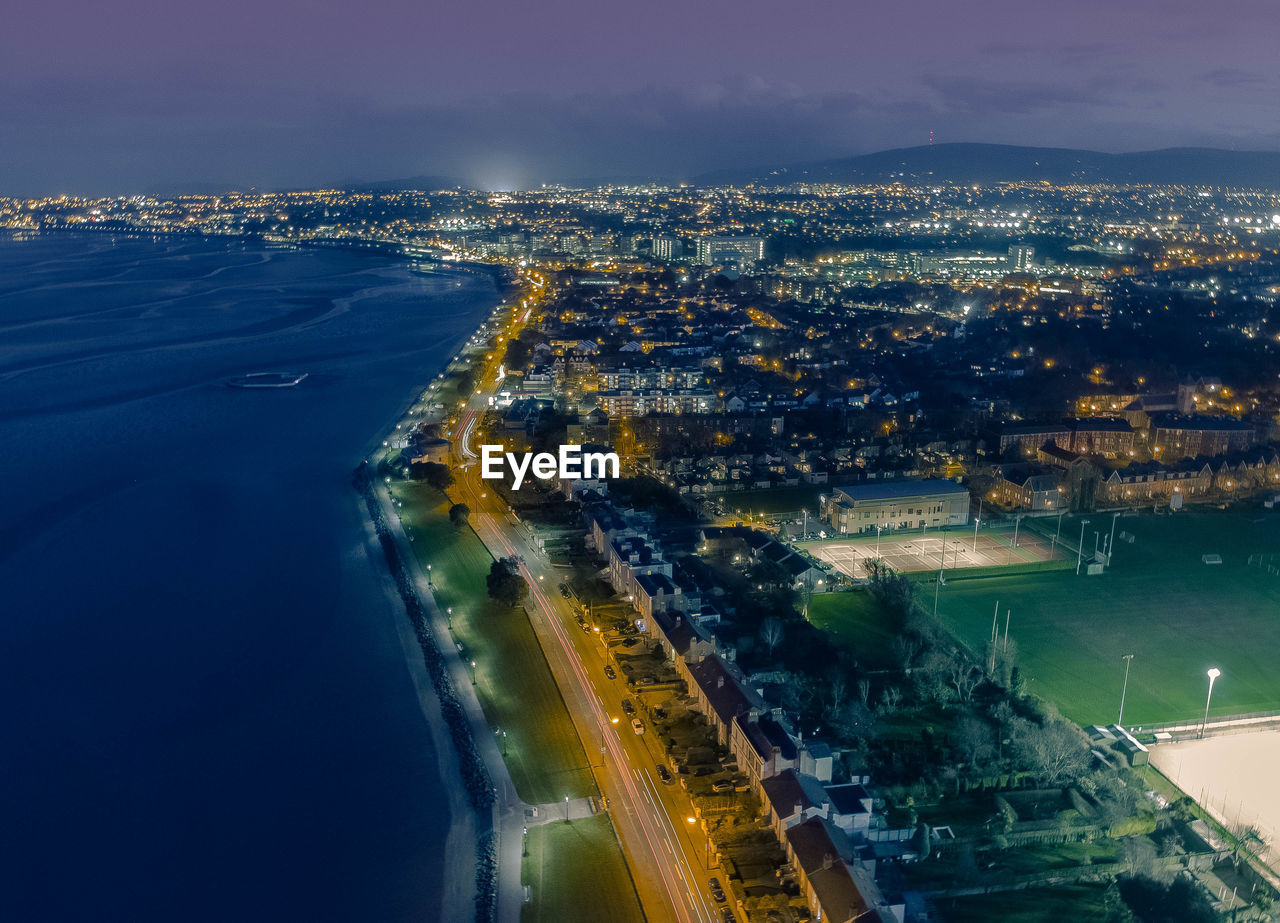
{"type": "Point", "coordinates": [1177, 615]}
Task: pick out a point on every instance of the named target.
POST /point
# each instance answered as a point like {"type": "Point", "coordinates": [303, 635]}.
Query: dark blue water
{"type": "Point", "coordinates": [205, 711]}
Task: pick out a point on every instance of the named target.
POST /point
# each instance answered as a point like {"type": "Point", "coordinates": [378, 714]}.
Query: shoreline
{"type": "Point", "coordinates": [472, 787]}
{"type": "Point", "coordinates": [478, 803]}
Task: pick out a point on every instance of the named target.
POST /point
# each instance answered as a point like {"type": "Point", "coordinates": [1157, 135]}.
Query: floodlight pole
{"type": "Point", "coordinates": [1128, 662]}
{"type": "Point", "coordinates": [975, 535]}
{"type": "Point", "coordinates": [1080, 547]}
{"type": "Point", "coordinates": [1214, 673]}
{"type": "Point", "coordinates": [1111, 546]}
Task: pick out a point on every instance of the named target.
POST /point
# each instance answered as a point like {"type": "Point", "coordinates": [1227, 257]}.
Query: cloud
{"type": "Point", "coordinates": [130, 137]}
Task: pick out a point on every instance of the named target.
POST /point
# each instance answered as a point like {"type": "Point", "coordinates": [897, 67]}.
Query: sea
{"type": "Point", "coordinates": [205, 707]}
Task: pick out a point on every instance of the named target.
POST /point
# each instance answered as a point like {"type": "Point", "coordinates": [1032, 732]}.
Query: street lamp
{"type": "Point", "coordinates": [429, 583]}
{"type": "Point", "coordinates": [449, 616]}
{"type": "Point", "coordinates": [473, 672]}
{"type": "Point", "coordinates": [566, 809]}
{"type": "Point", "coordinates": [1128, 662]}
{"type": "Point", "coordinates": [1214, 673]}
{"type": "Point", "coordinates": [1080, 547]}
{"type": "Point", "coordinates": [1111, 540]}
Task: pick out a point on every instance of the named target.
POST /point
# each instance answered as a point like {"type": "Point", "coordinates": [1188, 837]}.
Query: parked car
{"type": "Point", "coordinates": [664, 775]}
{"type": "Point", "coordinates": [727, 915]}
{"type": "Point", "coordinates": [724, 785]}
{"type": "Point", "coordinates": [716, 891]}
{"type": "Point", "coordinates": [637, 725]}
{"type": "Point", "coordinates": [609, 672]}
{"type": "Point", "coordinates": [627, 707]}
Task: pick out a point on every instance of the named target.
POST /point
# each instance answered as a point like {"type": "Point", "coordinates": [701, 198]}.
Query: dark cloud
{"type": "Point", "coordinates": [134, 95]}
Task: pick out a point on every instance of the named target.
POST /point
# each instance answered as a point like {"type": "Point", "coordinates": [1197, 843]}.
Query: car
{"type": "Point", "coordinates": [659, 712]}
{"type": "Point", "coordinates": [637, 725]}
{"type": "Point", "coordinates": [726, 915]}
{"type": "Point", "coordinates": [664, 775]}
{"type": "Point", "coordinates": [724, 785]}
{"type": "Point", "coordinates": [610, 672]}
{"type": "Point", "coordinates": [646, 681]}
{"type": "Point", "coordinates": [627, 707]}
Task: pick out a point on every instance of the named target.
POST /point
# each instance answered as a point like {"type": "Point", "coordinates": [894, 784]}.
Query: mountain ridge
{"type": "Point", "coordinates": [973, 162]}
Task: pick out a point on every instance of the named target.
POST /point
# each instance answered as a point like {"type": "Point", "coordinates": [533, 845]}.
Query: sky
{"type": "Point", "coordinates": [160, 95]}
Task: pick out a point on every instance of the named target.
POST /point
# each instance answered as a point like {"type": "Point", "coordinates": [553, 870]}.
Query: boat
{"type": "Point", "coordinates": [268, 380]}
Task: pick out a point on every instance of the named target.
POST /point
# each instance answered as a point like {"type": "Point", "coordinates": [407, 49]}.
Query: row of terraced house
{"type": "Point", "coordinates": [822, 826]}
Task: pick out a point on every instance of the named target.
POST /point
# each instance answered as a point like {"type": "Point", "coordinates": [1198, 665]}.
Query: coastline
{"type": "Point", "coordinates": [478, 788]}
{"type": "Point", "coordinates": [472, 793]}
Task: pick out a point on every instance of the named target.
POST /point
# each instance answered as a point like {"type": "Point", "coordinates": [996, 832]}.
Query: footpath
{"type": "Point", "coordinates": [509, 817]}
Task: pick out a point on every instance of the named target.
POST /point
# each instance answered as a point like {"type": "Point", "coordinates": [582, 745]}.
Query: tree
{"type": "Point", "coordinates": [437, 475]}
{"type": "Point", "coordinates": [771, 633]}
{"type": "Point", "coordinates": [505, 583]}
{"type": "Point", "coordinates": [889, 699]}
{"type": "Point", "coordinates": [963, 676]}
{"type": "Point", "coordinates": [838, 688]}
{"type": "Point", "coordinates": [905, 649]}
{"type": "Point", "coordinates": [458, 514]}
{"type": "Point", "coordinates": [973, 739]}
{"type": "Point", "coordinates": [1248, 838]}
{"type": "Point", "coordinates": [1057, 752]}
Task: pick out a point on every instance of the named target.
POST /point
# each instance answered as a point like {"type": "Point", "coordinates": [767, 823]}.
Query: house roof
{"type": "Point", "coordinates": [901, 490]}
{"type": "Point", "coordinates": [849, 798]}
{"type": "Point", "coordinates": [839, 894]}
{"type": "Point", "coordinates": [728, 698]}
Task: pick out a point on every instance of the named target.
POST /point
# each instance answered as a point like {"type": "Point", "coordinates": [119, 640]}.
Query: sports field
{"type": "Point", "coordinates": [915, 552]}
{"type": "Point", "coordinates": [1232, 777]}
{"type": "Point", "coordinates": [1177, 615]}
{"type": "Point", "coordinates": [774, 500]}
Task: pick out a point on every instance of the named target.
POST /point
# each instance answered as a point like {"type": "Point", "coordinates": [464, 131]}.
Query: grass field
{"type": "Point", "coordinates": [1160, 602]}
{"type": "Point", "coordinates": [575, 872]}
{"type": "Point", "coordinates": [515, 685]}
{"type": "Point", "coordinates": [776, 500]}
{"type": "Point", "coordinates": [856, 622]}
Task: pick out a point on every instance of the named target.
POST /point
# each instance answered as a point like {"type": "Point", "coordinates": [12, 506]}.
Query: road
{"type": "Point", "coordinates": [667, 854]}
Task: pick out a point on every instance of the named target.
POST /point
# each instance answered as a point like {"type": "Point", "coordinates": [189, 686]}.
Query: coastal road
{"type": "Point", "coordinates": [667, 854]}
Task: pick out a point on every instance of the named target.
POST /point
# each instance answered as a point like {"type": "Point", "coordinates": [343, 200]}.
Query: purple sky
{"type": "Point", "coordinates": [132, 95]}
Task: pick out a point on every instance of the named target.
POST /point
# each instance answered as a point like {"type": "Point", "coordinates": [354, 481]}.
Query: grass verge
{"type": "Point", "coordinates": [515, 686]}
{"type": "Point", "coordinates": [575, 872]}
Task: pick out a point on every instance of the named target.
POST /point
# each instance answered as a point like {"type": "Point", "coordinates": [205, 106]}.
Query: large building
{"type": "Point", "coordinates": [1021, 257]}
{"type": "Point", "coordinates": [897, 505]}
{"type": "Point", "coordinates": [666, 247]}
{"type": "Point", "coordinates": [1106, 436]}
{"type": "Point", "coordinates": [713, 250]}
{"type": "Point", "coordinates": [1174, 436]}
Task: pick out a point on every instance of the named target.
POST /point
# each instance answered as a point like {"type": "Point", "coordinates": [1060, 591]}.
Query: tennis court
{"type": "Point", "coordinates": [915, 551]}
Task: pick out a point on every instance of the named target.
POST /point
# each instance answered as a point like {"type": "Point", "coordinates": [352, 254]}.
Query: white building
{"type": "Point", "coordinates": [897, 505]}
{"type": "Point", "coordinates": [712, 250]}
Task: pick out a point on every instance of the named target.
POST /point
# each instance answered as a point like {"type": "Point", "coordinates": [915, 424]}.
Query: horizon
{"type": "Point", "coordinates": [196, 188]}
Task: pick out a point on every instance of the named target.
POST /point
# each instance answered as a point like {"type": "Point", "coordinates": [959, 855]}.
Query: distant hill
{"type": "Point", "coordinates": [419, 183]}
{"type": "Point", "coordinates": [995, 163]}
